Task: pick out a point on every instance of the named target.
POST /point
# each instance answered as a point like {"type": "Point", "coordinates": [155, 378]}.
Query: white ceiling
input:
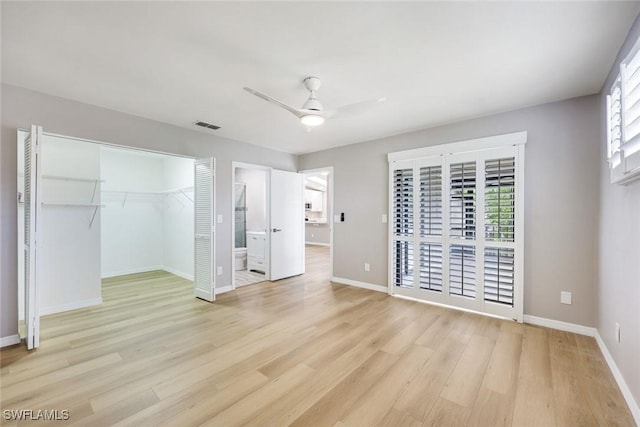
{"type": "Point", "coordinates": [436, 62]}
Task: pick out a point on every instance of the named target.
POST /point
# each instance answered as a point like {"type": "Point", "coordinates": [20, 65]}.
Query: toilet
{"type": "Point", "coordinates": [241, 258]}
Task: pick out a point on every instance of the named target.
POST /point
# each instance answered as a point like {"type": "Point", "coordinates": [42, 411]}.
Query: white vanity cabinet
{"type": "Point", "coordinates": [256, 250]}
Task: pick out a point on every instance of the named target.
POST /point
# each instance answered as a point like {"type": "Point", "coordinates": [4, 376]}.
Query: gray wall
{"type": "Point", "coordinates": [317, 233]}
{"type": "Point", "coordinates": [561, 200]}
{"type": "Point", "coordinates": [618, 284]}
{"type": "Point", "coordinates": [21, 108]}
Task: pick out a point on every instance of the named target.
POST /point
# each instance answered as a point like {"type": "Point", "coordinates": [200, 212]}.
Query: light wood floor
{"type": "Point", "coordinates": [304, 352]}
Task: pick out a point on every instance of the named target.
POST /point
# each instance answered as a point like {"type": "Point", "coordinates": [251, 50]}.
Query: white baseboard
{"type": "Point", "coordinates": [622, 384]}
{"type": "Point", "coordinates": [364, 285]}
{"type": "Point", "coordinates": [317, 244]}
{"type": "Point", "coordinates": [562, 326]}
{"type": "Point", "coordinates": [223, 289]}
{"type": "Point", "coordinates": [9, 340]}
{"type": "Point", "coordinates": [71, 306]}
{"type": "Point", "coordinates": [178, 273]}
{"type": "Point", "coordinates": [132, 271]}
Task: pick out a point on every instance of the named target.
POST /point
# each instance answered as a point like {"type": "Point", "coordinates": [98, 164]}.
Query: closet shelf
{"type": "Point", "coordinates": [95, 207]}
{"type": "Point", "coordinates": [88, 205]}
{"type": "Point", "coordinates": [71, 178]}
{"type": "Point", "coordinates": [176, 191]}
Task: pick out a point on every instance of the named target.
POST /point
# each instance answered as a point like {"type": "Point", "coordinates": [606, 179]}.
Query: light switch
{"type": "Point", "coordinates": [384, 218]}
{"type": "Point", "coordinates": [336, 218]}
{"type": "Point", "coordinates": [220, 219]}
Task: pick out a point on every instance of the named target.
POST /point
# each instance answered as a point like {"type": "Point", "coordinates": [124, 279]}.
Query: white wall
{"type": "Point", "coordinates": [178, 257]}
{"type": "Point", "coordinates": [131, 234]}
{"type": "Point", "coordinates": [150, 231]}
{"type": "Point", "coordinates": [618, 285]}
{"type": "Point", "coordinates": [69, 249]}
{"type": "Point", "coordinates": [256, 181]}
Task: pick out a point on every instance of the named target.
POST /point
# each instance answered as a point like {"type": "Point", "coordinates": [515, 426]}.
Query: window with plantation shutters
{"type": "Point", "coordinates": [623, 120]}
{"type": "Point", "coordinates": [467, 206]}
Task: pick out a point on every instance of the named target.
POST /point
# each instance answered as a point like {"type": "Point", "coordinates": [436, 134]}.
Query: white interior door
{"type": "Point", "coordinates": [204, 239]}
{"type": "Point", "coordinates": [32, 208]}
{"type": "Point", "coordinates": [287, 224]}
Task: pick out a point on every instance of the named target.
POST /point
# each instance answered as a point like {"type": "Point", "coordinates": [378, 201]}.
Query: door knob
{"type": "Point", "coordinates": [275, 230]}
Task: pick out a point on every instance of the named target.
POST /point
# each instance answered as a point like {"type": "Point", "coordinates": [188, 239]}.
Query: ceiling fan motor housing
{"type": "Point", "coordinates": [312, 104]}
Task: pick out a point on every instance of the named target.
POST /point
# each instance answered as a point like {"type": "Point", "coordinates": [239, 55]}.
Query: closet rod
{"type": "Point", "coordinates": [71, 178]}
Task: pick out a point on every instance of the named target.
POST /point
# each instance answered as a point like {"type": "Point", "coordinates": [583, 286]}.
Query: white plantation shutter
{"type": "Point", "coordinates": [614, 123]}
{"type": "Point", "coordinates": [467, 249]}
{"type": "Point", "coordinates": [499, 275]}
{"type": "Point", "coordinates": [430, 214]}
{"type": "Point", "coordinates": [403, 264]}
{"type": "Point", "coordinates": [500, 199]}
{"type": "Point", "coordinates": [403, 222]}
{"type": "Point", "coordinates": [462, 200]}
{"type": "Point", "coordinates": [403, 202]}
{"type": "Point", "coordinates": [623, 120]}
{"type": "Point", "coordinates": [204, 278]}
{"type": "Point", "coordinates": [462, 270]}
{"type": "Point", "coordinates": [431, 267]}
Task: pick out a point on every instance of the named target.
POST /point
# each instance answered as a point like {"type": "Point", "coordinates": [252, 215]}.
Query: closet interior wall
{"type": "Point", "coordinates": [147, 224]}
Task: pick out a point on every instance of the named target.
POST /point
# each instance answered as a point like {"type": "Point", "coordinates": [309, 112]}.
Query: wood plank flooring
{"type": "Point", "coordinates": [302, 352]}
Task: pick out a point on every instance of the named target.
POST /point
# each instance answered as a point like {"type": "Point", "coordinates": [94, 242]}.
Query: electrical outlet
{"type": "Point", "coordinates": [367, 267]}
{"type": "Point", "coordinates": [220, 219]}
{"type": "Point", "coordinates": [312, 235]}
{"type": "Point", "coordinates": [617, 331]}
{"type": "Point", "coordinates": [565, 297]}
{"type": "Point", "coordinates": [219, 271]}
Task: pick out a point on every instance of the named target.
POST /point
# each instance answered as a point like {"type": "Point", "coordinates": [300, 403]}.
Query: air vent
{"type": "Point", "coordinates": [206, 125]}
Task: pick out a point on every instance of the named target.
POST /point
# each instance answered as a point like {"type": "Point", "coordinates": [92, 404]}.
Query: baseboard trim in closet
{"type": "Point", "coordinates": [134, 271]}
{"type": "Point", "coordinates": [177, 273]}
{"type": "Point", "coordinates": [44, 311]}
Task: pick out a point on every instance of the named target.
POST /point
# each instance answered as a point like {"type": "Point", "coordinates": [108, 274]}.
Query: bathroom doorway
{"type": "Point", "coordinates": [250, 224]}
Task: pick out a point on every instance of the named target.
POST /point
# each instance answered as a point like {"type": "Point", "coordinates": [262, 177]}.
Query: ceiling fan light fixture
{"type": "Point", "coordinates": [312, 120]}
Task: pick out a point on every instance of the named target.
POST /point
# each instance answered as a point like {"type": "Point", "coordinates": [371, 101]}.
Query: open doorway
{"type": "Point", "coordinates": [318, 205]}
{"type": "Point", "coordinates": [250, 224]}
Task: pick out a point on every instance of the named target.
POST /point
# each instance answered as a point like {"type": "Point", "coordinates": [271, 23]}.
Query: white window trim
{"type": "Point", "coordinates": [516, 138]}
{"type": "Point", "coordinates": [407, 157]}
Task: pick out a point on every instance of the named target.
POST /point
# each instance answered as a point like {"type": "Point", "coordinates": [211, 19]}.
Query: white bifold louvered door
{"type": "Point", "coordinates": [456, 230]}
{"type": "Point", "coordinates": [32, 209]}
{"type": "Point", "coordinates": [204, 239]}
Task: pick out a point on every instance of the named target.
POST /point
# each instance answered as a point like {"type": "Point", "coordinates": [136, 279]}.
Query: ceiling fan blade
{"type": "Point", "coordinates": [355, 108]}
{"type": "Point", "coordinates": [295, 111]}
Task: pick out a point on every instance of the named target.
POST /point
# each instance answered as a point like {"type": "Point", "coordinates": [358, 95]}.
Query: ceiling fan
{"type": "Point", "coordinates": [312, 112]}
